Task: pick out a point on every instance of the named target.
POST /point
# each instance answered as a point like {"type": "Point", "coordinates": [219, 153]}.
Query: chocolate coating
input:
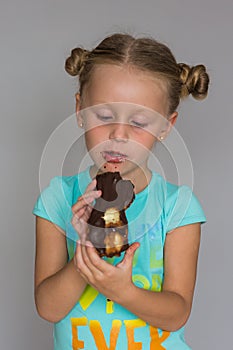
{"type": "Point", "coordinates": [108, 225]}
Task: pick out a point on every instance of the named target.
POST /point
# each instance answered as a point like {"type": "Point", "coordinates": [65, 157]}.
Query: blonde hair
{"type": "Point", "coordinates": [145, 54]}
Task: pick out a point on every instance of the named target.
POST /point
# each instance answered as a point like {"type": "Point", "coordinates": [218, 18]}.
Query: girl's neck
{"type": "Point", "coordinates": [140, 178]}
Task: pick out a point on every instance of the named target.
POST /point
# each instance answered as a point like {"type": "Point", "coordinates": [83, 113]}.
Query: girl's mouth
{"type": "Point", "coordinates": [114, 157]}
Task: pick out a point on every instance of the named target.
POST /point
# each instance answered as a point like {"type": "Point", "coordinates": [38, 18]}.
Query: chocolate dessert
{"type": "Point", "coordinates": [108, 225]}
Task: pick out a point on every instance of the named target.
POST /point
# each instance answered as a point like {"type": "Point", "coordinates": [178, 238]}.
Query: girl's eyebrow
{"type": "Point", "coordinates": [142, 110]}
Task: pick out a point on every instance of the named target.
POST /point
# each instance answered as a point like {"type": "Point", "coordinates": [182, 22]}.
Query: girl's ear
{"type": "Point", "coordinates": [171, 122]}
{"type": "Point", "coordinates": [173, 118]}
{"type": "Point", "coordinates": [78, 108]}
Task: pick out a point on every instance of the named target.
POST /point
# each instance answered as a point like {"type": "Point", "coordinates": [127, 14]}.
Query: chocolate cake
{"type": "Point", "coordinates": [108, 225]}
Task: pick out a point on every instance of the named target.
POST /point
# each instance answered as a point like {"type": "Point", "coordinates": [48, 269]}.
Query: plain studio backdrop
{"type": "Point", "coordinates": [37, 96]}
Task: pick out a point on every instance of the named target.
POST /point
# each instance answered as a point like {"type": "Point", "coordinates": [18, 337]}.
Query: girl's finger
{"type": "Point", "coordinates": [80, 264]}
{"type": "Point", "coordinates": [95, 262]}
{"type": "Point", "coordinates": [87, 213]}
{"type": "Point", "coordinates": [85, 268]}
{"type": "Point", "coordinates": [80, 218]}
{"type": "Point", "coordinates": [86, 199]}
{"type": "Point", "coordinates": [81, 226]}
{"type": "Point", "coordinates": [80, 213]}
{"type": "Point", "coordinates": [91, 186]}
{"type": "Point", "coordinates": [89, 255]}
{"type": "Point", "coordinates": [129, 255]}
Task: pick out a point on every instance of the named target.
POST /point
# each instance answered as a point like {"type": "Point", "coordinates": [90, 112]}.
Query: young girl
{"type": "Point", "coordinates": [142, 299]}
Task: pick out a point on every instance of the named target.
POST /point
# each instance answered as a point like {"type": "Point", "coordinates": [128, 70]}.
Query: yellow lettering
{"type": "Point", "coordinates": [156, 340]}
{"type": "Point", "coordinates": [75, 323]}
{"type": "Point", "coordinates": [88, 296]}
{"type": "Point", "coordinates": [109, 306]}
{"type": "Point", "coordinates": [143, 280]}
{"type": "Point", "coordinates": [156, 283]}
{"type": "Point", "coordinates": [155, 264]}
{"type": "Point", "coordinates": [130, 326]}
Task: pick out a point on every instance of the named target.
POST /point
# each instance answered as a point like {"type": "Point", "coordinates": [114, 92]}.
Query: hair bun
{"type": "Point", "coordinates": [75, 63]}
{"type": "Point", "coordinates": [195, 80]}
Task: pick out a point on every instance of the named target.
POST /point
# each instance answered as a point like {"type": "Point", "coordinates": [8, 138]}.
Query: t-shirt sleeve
{"type": "Point", "coordinates": [52, 203]}
{"type": "Point", "coordinates": [183, 208]}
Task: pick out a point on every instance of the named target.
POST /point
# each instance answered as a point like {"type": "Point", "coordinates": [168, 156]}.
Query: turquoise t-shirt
{"type": "Point", "coordinates": [95, 323]}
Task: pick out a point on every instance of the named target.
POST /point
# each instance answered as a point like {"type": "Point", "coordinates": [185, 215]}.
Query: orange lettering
{"type": "Point", "coordinates": [130, 326]}
{"type": "Point", "coordinates": [96, 330]}
{"type": "Point", "coordinates": [98, 335]}
{"type": "Point", "coordinates": [156, 340]}
{"type": "Point", "coordinates": [76, 322]}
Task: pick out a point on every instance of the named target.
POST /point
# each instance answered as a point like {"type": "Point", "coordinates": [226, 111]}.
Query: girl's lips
{"type": "Point", "coordinates": [114, 157]}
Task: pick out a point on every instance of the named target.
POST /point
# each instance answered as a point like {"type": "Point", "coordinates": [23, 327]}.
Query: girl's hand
{"type": "Point", "coordinates": [82, 210]}
{"type": "Point", "coordinates": [114, 282]}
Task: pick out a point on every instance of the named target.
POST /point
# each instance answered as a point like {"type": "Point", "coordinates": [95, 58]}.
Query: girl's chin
{"type": "Point", "coordinates": [126, 168]}
{"type": "Point", "coordinates": [109, 166]}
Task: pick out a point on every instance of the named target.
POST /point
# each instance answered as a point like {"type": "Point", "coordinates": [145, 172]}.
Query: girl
{"type": "Point", "coordinates": [129, 92]}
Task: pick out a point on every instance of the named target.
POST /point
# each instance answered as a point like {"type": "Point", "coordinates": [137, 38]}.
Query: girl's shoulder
{"type": "Point", "coordinates": [179, 202]}
{"type": "Point", "coordinates": [170, 190]}
{"type": "Point", "coordinates": [70, 186]}
{"type": "Point", "coordinates": [55, 200]}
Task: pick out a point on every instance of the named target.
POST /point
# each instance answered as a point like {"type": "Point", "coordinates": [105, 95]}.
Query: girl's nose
{"type": "Point", "coordinates": [119, 132]}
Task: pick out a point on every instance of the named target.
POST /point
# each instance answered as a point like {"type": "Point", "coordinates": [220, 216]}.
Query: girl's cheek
{"type": "Point", "coordinates": [94, 137]}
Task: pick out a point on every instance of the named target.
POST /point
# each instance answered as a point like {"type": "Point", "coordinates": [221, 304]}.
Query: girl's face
{"type": "Point", "coordinates": [123, 112]}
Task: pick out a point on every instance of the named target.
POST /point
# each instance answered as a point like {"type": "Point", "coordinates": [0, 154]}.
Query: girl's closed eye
{"type": "Point", "coordinates": [139, 124]}
{"type": "Point", "coordinates": [104, 115]}
{"type": "Point", "coordinates": [139, 121]}
{"type": "Point", "coordinates": [104, 118]}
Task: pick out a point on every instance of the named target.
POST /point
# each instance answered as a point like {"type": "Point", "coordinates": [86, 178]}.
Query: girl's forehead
{"type": "Point", "coordinates": [114, 83]}
{"type": "Point", "coordinates": [128, 71]}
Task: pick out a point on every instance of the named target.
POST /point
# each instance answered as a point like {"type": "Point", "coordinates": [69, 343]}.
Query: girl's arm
{"type": "Point", "coordinates": [58, 285]}
{"type": "Point", "coordinates": [168, 309]}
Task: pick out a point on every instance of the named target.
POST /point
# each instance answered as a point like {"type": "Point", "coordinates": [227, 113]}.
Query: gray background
{"type": "Point", "coordinates": [37, 95]}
